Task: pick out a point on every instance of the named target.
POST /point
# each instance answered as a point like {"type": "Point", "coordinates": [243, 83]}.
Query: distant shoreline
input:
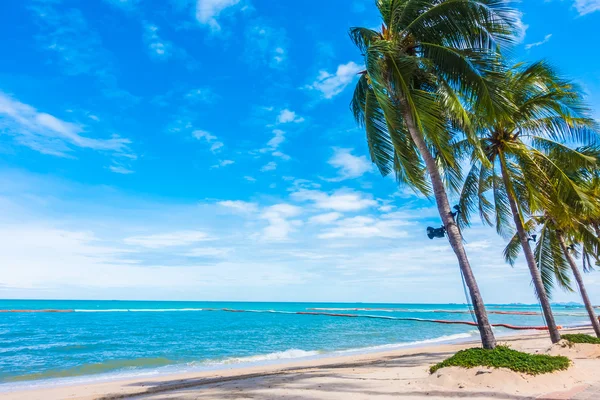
{"type": "Point", "coordinates": [563, 304]}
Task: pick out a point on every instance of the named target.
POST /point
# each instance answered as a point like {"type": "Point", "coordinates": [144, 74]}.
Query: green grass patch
{"type": "Point", "coordinates": [580, 338]}
{"type": "Point", "coordinates": [505, 357]}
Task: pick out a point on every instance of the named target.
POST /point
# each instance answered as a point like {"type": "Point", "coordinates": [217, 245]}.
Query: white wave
{"type": "Point", "coordinates": [581, 314]}
{"type": "Point", "coordinates": [361, 309]}
{"type": "Point", "coordinates": [279, 355]}
{"type": "Point", "coordinates": [301, 354]}
{"type": "Point", "coordinates": [281, 312]}
{"type": "Point", "coordinates": [269, 311]}
{"type": "Point", "coordinates": [579, 324]}
{"type": "Point", "coordinates": [447, 338]}
{"type": "Point", "coordinates": [391, 310]}
{"type": "Point", "coordinates": [142, 310]}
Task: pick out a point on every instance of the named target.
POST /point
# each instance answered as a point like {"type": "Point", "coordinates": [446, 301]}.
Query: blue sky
{"type": "Point", "coordinates": [184, 149]}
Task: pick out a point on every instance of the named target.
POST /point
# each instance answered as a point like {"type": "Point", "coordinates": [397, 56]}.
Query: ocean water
{"type": "Point", "coordinates": [96, 340]}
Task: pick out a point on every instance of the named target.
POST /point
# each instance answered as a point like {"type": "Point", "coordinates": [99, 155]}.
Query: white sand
{"type": "Point", "coordinates": [400, 374]}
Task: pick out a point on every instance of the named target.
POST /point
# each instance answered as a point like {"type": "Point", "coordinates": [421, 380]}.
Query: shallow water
{"type": "Point", "coordinates": [101, 339]}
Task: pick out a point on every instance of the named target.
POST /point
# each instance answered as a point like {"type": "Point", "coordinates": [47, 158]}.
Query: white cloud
{"type": "Point", "coordinates": [187, 98]}
{"type": "Point", "coordinates": [216, 146]}
{"type": "Point", "coordinates": [200, 95]}
{"type": "Point", "coordinates": [365, 227]}
{"type": "Point", "coordinates": [239, 206]}
{"type": "Point", "coordinates": [272, 146]}
{"type": "Point", "coordinates": [281, 155]}
{"type": "Point", "coordinates": [279, 56]}
{"type": "Point", "coordinates": [521, 28]}
{"type": "Point", "coordinates": [51, 231]}
{"type": "Point", "coordinates": [280, 226]}
{"type": "Point", "coordinates": [207, 11]}
{"type": "Point", "coordinates": [301, 184]}
{"type": "Point", "coordinates": [159, 48]}
{"type": "Point", "coordinates": [42, 261]}
{"type": "Point", "coordinates": [413, 213]}
{"type": "Point", "coordinates": [120, 169]}
{"type": "Point", "coordinates": [331, 85]}
{"type": "Point", "coordinates": [278, 216]}
{"type": "Point", "coordinates": [270, 166]}
{"type": "Point", "coordinates": [76, 47]}
{"type": "Point", "coordinates": [283, 209]}
{"type": "Point", "coordinates": [198, 134]}
{"type": "Point", "coordinates": [40, 255]}
{"type": "Point", "coordinates": [250, 178]}
{"type": "Point", "coordinates": [342, 200]}
{"type": "Point", "coordinates": [172, 239]}
{"type": "Point", "coordinates": [326, 218]}
{"type": "Point", "coordinates": [265, 45]}
{"type": "Point", "coordinates": [210, 139]}
{"type": "Point", "coordinates": [586, 6]}
{"type": "Point", "coordinates": [67, 35]}
{"type": "Point", "coordinates": [286, 116]}
{"type": "Point", "coordinates": [50, 135]}
{"type": "Point", "coordinates": [546, 40]}
{"type": "Point", "coordinates": [278, 138]}
{"type": "Point", "coordinates": [223, 163]}
{"type": "Point", "coordinates": [349, 166]}
{"type": "Point", "coordinates": [478, 245]}
{"type": "Point", "coordinates": [207, 252]}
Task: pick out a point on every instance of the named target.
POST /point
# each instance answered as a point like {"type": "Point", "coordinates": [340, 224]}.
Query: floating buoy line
{"type": "Point", "coordinates": [315, 312]}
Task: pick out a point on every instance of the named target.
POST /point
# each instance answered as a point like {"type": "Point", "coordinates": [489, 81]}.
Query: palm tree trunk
{"type": "Point", "coordinates": [536, 276]}
{"type": "Point", "coordinates": [485, 330]}
{"type": "Point", "coordinates": [582, 291]}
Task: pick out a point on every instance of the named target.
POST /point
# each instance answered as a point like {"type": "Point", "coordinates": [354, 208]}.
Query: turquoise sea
{"type": "Point", "coordinates": [97, 340]}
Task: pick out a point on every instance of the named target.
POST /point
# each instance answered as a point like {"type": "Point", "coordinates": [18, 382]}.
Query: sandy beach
{"type": "Point", "coordinates": [386, 375]}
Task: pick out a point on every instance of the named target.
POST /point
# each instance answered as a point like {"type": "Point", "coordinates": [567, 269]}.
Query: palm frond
{"type": "Point", "coordinates": [551, 261]}
{"type": "Point", "coordinates": [503, 213]}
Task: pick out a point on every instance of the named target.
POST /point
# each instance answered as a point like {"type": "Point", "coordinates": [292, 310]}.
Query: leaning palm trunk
{"type": "Point", "coordinates": [429, 56]}
{"type": "Point", "coordinates": [536, 276]}
{"type": "Point", "coordinates": [487, 336]}
{"type": "Point", "coordinates": [579, 279]}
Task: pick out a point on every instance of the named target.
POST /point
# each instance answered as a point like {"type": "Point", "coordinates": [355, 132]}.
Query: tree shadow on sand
{"type": "Point", "coordinates": [308, 383]}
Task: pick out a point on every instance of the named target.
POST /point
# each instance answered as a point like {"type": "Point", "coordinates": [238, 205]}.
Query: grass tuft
{"type": "Point", "coordinates": [580, 338]}
{"type": "Point", "coordinates": [505, 357]}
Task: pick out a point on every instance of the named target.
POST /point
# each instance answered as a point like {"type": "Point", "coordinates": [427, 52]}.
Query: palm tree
{"type": "Point", "coordinates": [566, 221]}
{"type": "Point", "coordinates": [517, 170]}
{"type": "Point", "coordinates": [583, 234]}
{"type": "Point", "coordinates": [593, 185]}
{"type": "Point", "coordinates": [430, 57]}
{"type": "Point", "coordinates": [554, 257]}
